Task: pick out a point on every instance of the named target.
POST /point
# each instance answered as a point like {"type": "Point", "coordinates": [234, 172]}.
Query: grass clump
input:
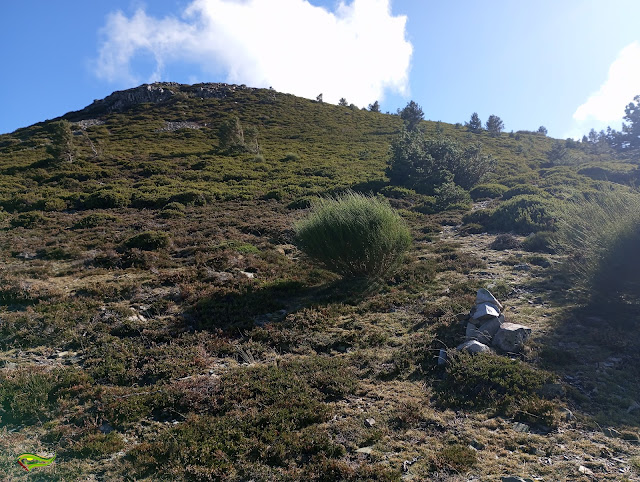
{"type": "Point", "coordinates": [354, 235]}
{"type": "Point", "coordinates": [598, 231]}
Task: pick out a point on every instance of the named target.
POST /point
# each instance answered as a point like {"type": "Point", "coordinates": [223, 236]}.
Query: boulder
{"type": "Point", "coordinates": [473, 346]}
{"type": "Point", "coordinates": [485, 296]}
{"type": "Point", "coordinates": [489, 328]}
{"type": "Point", "coordinates": [510, 337]}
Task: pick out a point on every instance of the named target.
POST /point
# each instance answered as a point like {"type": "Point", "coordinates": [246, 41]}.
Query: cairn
{"type": "Point", "coordinates": [487, 330]}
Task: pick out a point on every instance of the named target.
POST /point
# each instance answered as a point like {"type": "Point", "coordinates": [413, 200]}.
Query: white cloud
{"type": "Point", "coordinates": [621, 86]}
{"type": "Point", "coordinates": [358, 51]}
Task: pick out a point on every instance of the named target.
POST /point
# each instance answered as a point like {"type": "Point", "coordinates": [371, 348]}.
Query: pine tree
{"type": "Point", "coordinates": [231, 135]}
{"type": "Point", "coordinates": [61, 148]}
{"type": "Point", "coordinates": [631, 128]}
{"type": "Point", "coordinates": [412, 115]}
{"type": "Point", "coordinates": [474, 124]}
{"type": "Point", "coordinates": [375, 107]}
{"type": "Point", "coordinates": [494, 125]}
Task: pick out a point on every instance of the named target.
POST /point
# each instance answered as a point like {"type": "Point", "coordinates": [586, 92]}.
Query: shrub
{"type": "Point", "coordinates": [108, 198]}
{"type": "Point", "coordinates": [523, 215]}
{"type": "Point", "coordinates": [28, 220]}
{"type": "Point", "coordinates": [354, 235]}
{"type": "Point", "coordinates": [489, 381]}
{"type": "Point", "coordinates": [451, 196]}
{"type": "Point", "coordinates": [487, 191]}
{"type": "Point", "coordinates": [291, 157]}
{"type": "Point", "coordinates": [94, 220]}
{"type": "Point", "coordinates": [505, 241]}
{"type": "Point", "coordinates": [148, 241]}
{"type": "Point", "coordinates": [189, 198]}
{"type": "Point", "coordinates": [423, 164]}
{"type": "Point", "coordinates": [472, 228]}
{"type": "Point", "coordinates": [522, 189]}
{"type": "Point", "coordinates": [540, 242]}
{"type": "Point", "coordinates": [54, 204]}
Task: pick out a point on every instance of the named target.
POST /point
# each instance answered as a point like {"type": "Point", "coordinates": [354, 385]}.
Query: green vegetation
{"type": "Point", "coordinates": [487, 191]}
{"type": "Point", "coordinates": [597, 232]}
{"type": "Point", "coordinates": [156, 316]}
{"type": "Point", "coordinates": [424, 164]}
{"type": "Point", "coordinates": [354, 235]}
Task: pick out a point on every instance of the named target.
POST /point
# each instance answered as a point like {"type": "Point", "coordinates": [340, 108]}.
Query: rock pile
{"type": "Point", "coordinates": [487, 328]}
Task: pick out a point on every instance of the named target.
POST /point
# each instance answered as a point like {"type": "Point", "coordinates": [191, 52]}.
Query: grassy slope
{"type": "Point", "coordinates": [204, 372]}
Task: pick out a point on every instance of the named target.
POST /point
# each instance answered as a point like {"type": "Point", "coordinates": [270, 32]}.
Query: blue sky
{"type": "Point", "coordinates": [568, 65]}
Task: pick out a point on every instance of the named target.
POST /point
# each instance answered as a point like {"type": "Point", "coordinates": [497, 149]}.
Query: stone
{"type": "Point", "coordinates": [472, 332]}
{"type": "Point", "coordinates": [510, 337]}
{"type": "Point", "coordinates": [369, 422]}
{"type": "Point", "coordinates": [489, 328]}
{"type": "Point", "coordinates": [485, 296]}
{"type": "Point", "coordinates": [521, 427]}
{"type": "Point", "coordinates": [473, 346]}
{"type": "Point", "coordinates": [567, 415]}
{"type": "Point", "coordinates": [219, 276]}
{"type": "Point", "coordinates": [513, 478]}
{"type": "Point", "coordinates": [522, 267]}
{"type": "Point", "coordinates": [247, 274]}
{"type": "Point", "coordinates": [442, 356]}
{"type": "Point", "coordinates": [485, 311]}
{"type": "Point", "coordinates": [584, 470]}
{"type": "Point", "coordinates": [365, 450]}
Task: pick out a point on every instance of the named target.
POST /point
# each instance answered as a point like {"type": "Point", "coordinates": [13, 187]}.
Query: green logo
{"type": "Point", "coordinates": [29, 461]}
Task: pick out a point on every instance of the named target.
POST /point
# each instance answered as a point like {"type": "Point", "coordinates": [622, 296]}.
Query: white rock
{"type": "Point", "coordinates": [485, 311]}
{"type": "Point", "coordinates": [485, 296]}
{"type": "Point", "coordinates": [247, 274]}
{"type": "Point", "coordinates": [510, 337]}
{"type": "Point", "coordinates": [365, 450]}
{"type": "Point", "coordinates": [473, 346]}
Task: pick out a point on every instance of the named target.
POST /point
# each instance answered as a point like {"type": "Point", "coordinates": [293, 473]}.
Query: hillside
{"type": "Point", "coordinates": [157, 322]}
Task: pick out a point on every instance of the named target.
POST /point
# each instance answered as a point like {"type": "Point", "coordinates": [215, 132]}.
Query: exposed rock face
{"type": "Point", "coordinates": [156, 93]}
{"type": "Point", "coordinates": [510, 337]}
{"type": "Point", "coordinates": [122, 99]}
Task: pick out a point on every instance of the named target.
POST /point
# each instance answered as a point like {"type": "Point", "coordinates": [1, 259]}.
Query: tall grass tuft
{"type": "Point", "coordinates": [354, 235]}
{"type": "Point", "coordinates": [594, 229]}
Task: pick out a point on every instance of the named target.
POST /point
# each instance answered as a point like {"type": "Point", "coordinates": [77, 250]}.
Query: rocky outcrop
{"type": "Point", "coordinates": [123, 99]}
{"type": "Point", "coordinates": [155, 93]}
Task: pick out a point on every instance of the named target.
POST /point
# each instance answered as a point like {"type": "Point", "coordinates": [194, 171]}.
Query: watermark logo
{"type": "Point", "coordinates": [29, 461]}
